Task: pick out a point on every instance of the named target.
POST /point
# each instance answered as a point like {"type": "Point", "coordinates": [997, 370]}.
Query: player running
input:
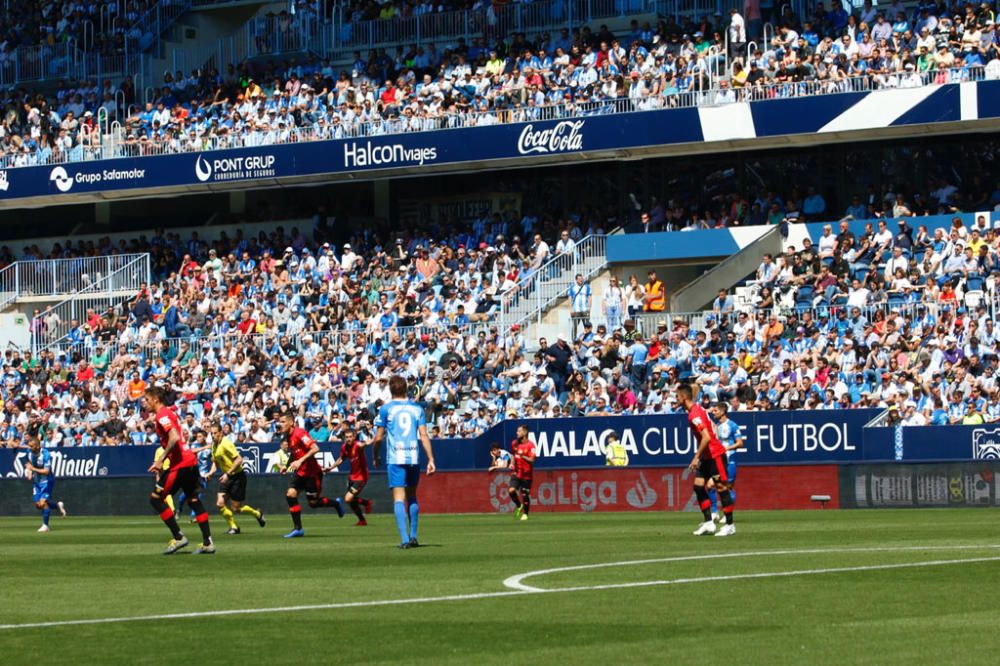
{"type": "Point", "coordinates": [354, 451]}
{"type": "Point", "coordinates": [232, 482]}
{"type": "Point", "coordinates": [523, 450]}
{"type": "Point", "coordinates": [729, 435]}
{"type": "Point", "coordinates": [710, 463]}
{"type": "Point", "coordinates": [402, 423]}
{"type": "Point", "coordinates": [38, 470]}
{"type": "Point", "coordinates": [307, 475]}
{"type": "Point", "coordinates": [182, 474]}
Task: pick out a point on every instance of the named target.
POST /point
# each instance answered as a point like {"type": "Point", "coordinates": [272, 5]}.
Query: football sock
{"type": "Point", "coordinates": [399, 508]}
{"type": "Point", "coordinates": [713, 497]}
{"type": "Point", "coordinates": [201, 516]}
{"type": "Point", "coordinates": [325, 503]}
{"type": "Point", "coordinates": [46, 512]}
{"type": "Point", "coordinates": [526, 502]}
{"type": "Point", "coordinates": [727, 506]}
{"type": "Point", "coordinates": [414, 515]}
{"type": "Point", "coordinates": [227, 513]}
{"type": "Point", "coordinates": [514, 498]}
{"type": "Point", "coordinates": [356, 508]}
{"type": "Point", "coordinates": [247, 509]}
{"type": "Point", "coordinates": [167, 516]}
{"type": "Point", "coordinates": [703, 502]}
{"type": "Point", "coordinates": [295, 509]}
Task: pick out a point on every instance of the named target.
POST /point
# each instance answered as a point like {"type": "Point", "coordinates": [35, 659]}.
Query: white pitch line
{"type": "Point", "coordinates": [767, 574]}
{"type": "Point", "coordinates": [515, 582]}
{"type": "Point", "coordinates": [495, 595]}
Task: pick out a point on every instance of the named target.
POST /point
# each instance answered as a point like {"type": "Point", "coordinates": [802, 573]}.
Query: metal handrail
{"type": "Point", "coordinates": [55, 277]}
{"type": "Point", "coordinates": [8, 284]}
{"type": "Point", "coordinates": [131, 148]}
{"type": "Point", "coordinates": [125, 274]}
{"type": "Point", "coordinates": [502, 19]}
{"type": "Point", "coordinates": [368, 339]}
{"type": "Point", "coordinates": [68, 60]}
{"type": "Point", "coordinates": [709, 275]}
{"type": "Point", "coordinates": [646, 321]}
{"type": "Point", "coordinates": [537, 290]}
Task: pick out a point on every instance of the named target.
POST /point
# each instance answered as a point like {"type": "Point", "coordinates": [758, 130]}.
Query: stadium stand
{"type": "Point", "coordinates": [243, 326]}
{"type": "Point", "coordinates": [46, 41]}
{"type": "Point", "coordinates": [516, 79]}
{"type": "Point", "coordinates": [896, 316]}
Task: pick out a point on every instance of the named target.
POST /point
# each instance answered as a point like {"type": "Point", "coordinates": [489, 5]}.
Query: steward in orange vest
{"type": "Point", "coordinates": [656, 295]}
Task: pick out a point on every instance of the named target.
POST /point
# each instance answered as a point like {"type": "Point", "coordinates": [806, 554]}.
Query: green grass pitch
{"type": "Point", "coordinates": [912, 586]}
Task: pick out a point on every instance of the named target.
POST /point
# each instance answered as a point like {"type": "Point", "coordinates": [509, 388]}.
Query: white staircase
{"type": "Point", "coordinates": [118, 279]}
{"type": "Point", "coordinates": [543, 290]}
{"type": "Point", "coordinates": [53, 280]}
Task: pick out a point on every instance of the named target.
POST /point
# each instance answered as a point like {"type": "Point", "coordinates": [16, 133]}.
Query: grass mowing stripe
{"type": "Point", "coordinates": [490, 595]}
{"type": "Point", "coordinates": [515, 582]}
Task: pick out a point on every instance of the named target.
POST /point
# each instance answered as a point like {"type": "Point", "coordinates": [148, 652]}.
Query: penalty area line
{"type": "Point", "coordinates": [483, 595]}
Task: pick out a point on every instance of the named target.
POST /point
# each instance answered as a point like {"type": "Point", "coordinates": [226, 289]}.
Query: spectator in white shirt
{"type": "Point", "coordinates": [896, 262]}
{"type": "Point", "coordinates": [565, 245]}
{"type": "Point", "coordinates": [827, 243]}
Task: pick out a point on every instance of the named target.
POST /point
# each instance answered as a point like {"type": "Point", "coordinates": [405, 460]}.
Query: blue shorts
{"type": "Point", "coordinates": [43, 491]}
{"type": "Point", "coordinates": [403, 476]}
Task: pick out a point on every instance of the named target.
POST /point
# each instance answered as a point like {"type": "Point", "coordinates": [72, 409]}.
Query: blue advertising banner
{"type": "Point", "coordinates": [948, 443]}
{"type": "Point", "coordinates": [801, 437]}
{"type": "Point", "coordinates": [117, 461]}
{"type": "Point", "coordinates": [794, 437]}
{"type": "Point", "coordinates": [411, 150]}
{"type": "Point", "coordinates": [507, 144]}
{"type": "Point", "coordinates": [771, 438]}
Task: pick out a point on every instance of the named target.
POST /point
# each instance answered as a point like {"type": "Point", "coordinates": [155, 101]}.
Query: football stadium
{"type": "Point", "coordinates": [297, 298]}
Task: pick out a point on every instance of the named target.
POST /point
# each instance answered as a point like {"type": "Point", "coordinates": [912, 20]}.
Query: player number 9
{"type": "Point", "coordinates": [405, 423]}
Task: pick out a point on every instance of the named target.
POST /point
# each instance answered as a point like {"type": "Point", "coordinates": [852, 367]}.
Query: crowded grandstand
{"type": "Point", "coordinates": [244, 327]}
{"type": "Point", "coordinates": [515, 77]}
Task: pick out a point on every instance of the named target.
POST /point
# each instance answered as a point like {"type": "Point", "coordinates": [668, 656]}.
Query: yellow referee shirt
{"type": "Point", "coordinates": [158, 455]}
{"type": "Point", "coordinates": [224, 454]}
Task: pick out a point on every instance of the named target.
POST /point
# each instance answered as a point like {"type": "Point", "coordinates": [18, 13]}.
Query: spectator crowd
{"type": "Point", "coordinates": [554, 74]}
{"type": "Point", "coordinates": [240, 328]}
{"type": "Point", "coordinates": [102, 26]}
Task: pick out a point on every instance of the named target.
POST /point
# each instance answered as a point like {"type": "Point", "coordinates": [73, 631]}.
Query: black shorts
{"type": "Point", "coordinates": [311, 485]}
{"type": "Point", "coordinates": [355, 486]}
{"type": "Point", "coordinates": [171, 480]}
{"type": "Point", "coordinates": [517, 483]}
{"type": "Point", "coordinates": [714, 468]}
{"type": "Point", "coordinates": [235, 487]}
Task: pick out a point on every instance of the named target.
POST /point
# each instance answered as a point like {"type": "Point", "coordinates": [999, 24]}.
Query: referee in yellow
{"type": "Point", "coordinates": [616, 455]}
{"type": "Point", "coordinates": [233, 482]}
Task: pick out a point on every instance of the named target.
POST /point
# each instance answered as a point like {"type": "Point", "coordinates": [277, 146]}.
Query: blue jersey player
{"type": "Point", "coordinates": [729, 435]}
{"type": "Point", "coordinates": [39, 471]}
{"type": "Point", "coordinates": [402, 425]}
